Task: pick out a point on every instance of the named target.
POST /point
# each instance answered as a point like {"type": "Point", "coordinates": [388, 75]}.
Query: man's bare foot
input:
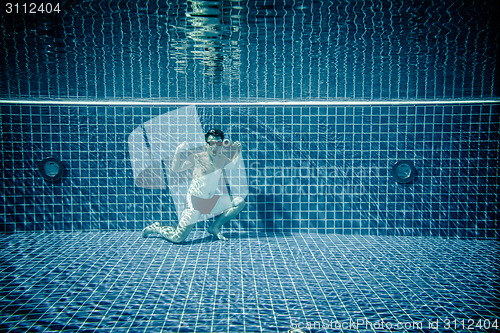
{"type": "Point", "coordinates": [217, 233]}
{"type": "Point", "coordinates": [151, 229]}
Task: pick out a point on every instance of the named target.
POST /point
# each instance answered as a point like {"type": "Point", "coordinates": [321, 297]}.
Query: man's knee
{"type": "Point", "coordinates": [239, 202]}
{"type": "Point", "coordinates": [181, 234]}
{"type": "Point", "coordinates": [238, 205]}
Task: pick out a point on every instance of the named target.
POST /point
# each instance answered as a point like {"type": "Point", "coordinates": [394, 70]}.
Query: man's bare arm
{"type": "Point", "coordinates": [179, 164]}
{"type": "Point", "coordinates": [231, 162]}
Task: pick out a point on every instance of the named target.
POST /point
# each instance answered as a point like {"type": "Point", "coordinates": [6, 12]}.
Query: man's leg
{"type": "Point", "coordinates": [238, 205]}
{"type": "Point", "coordinates": [175, 235]}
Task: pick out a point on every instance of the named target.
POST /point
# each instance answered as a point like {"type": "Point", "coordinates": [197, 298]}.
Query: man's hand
{"type": "Point", "coordinates": [237, 146]}
{"type": "Point", "coordinates": [182, 146]}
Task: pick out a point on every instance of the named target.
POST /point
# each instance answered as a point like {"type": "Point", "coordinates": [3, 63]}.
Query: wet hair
{"type": "Point", "coordinates": [215, 132]}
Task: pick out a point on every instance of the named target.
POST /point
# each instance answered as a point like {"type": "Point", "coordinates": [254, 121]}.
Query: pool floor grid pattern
{"type": "Point", "coordinates": [119, 281]}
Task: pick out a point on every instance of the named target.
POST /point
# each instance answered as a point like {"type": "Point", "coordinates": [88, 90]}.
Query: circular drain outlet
{"type": "Point", "coordinates": [404, 171]}
{"type": "Point", "coordinates": [51, 169]}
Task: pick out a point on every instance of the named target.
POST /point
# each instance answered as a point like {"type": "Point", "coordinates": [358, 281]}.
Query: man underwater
{"type": "Point", "coordinates": [204, 195]}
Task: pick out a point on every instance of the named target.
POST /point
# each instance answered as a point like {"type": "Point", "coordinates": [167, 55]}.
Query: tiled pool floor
{"type": "Point", "coordinates": [119, 281]}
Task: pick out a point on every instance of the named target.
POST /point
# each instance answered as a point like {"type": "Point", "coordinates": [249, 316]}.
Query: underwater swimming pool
{"type": "Point", "coordinates": [326, 98]}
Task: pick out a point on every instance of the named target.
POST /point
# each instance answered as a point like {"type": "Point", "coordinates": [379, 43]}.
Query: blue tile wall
{"type": "Point", "coordinates": [310, 169]}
